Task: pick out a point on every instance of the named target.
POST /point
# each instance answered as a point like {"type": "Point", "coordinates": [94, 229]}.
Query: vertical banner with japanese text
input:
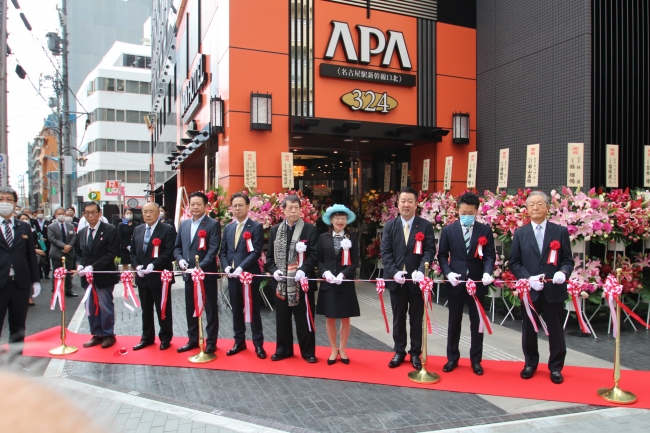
{"type": "Point", "coordinates": [611, 166]}
{"type": "Point", "coordinates": [646, 166]}
{"type": "Point", "coordinates": [387, 178]}
{"type": "Point", "coordinates": [575, 165]}
{"type": "Point", "coordinates": [250, 169]}
{"type": "Point", "coordinates": [504, 158]}
{"type": "Point", "coordinates": [449, 162]}
{"type": "Point", "coordinates": [426, 165]}
{"type": "Point", "coordinates": [216, 170]}
{"type": "Point", "coordinates": [471, 169]}
{"type": "Point", "coordinates": [532, 165]}
{"type": "Point", "coordinates": [405, 174]}
{"type": "Point", "coordinates": [287, 170]}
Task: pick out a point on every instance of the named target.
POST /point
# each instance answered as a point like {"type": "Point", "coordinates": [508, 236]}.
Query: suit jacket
{"type": "Point", "coordinates": [395, 254]}
{"type": "Point", "coordinates": [39, 230]}
{"type": "Point", "coordinates": [101, 256]}
{"type": "Point", "coordinates": [328, 260]}
{"type": "Point", "coordinates": [186, 248]}
{"type": "Point", "coordinates": [453, 256]}
{"type": "Point", "coordinates": [310, 235]}
{"type": "Point", "coordinates": [57, 242]}
{"type": "Point", "coordinates": [125, 232]}
{"type": "Point", "coordinates": [21, 255]}
{"type": "Point", "coordinates": [240, 255]}
{"type": "Point", "coordinates": [138, 255]}
{"type": "Point", "coordinates": [526, 261]}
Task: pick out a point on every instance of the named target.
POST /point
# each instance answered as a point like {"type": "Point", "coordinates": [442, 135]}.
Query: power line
{"type": "Point", "coordinates": [32, 83]}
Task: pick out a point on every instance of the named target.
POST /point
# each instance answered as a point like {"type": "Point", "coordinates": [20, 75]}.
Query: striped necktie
{"type": "Point", "coordinates": [147, 238]}
{"type": "Point", "coordinates": [8, 234]}
{"type": "Point", "coordinates": [467, 237]}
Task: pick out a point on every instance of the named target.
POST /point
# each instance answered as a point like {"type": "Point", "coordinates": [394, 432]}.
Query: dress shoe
{"type": "Point", "coordinates": [142, 345]}
{"type": "Point", "coordinates": [260, 352]}
{"type": "Point", "coordinates": [210, 348]}
{"type": "Point", "coordinates": [188, 347]}
{"type": "Point", "coordinates": [164, 345]}
{"type": "Point", "coordinates": [415, 362]}
{"type": "Point", "coordinates": [478, 370]}
{"type": "Point", "coordinates": [276, 357]}
{"type": "Point", "coordinates": [236, 349]}
{"type": "Point", "coordinates": [332, 361]}
{"type": "Point", "coordinates": [311, 359]}
{"type": "Point", "coordinates": [345, 361]}
{"type": "Point", "coordinates": [108, 342]}
{"type": "Point", "coordinates": [449, 367]}
{"type": "Point", "coordinates": [95, 341]}
{"type": "Point", "coordinates": [527, 372]}
{"type": "Point", "coordinates": [71, 294]}
{"type": "Point", "coordinates": [556, 377]}
{"type": "Point", "coordinates": [397, 360]}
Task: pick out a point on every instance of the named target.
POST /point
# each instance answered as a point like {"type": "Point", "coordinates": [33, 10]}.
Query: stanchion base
{"type": "Point", "coordinates": [423, 376]}
{"type": "Point", "coordinates": [202, 358]}
{"type": "Point", "coordinates": [616, 395]}
{"type": "Point", "coordinates": [63, 350]}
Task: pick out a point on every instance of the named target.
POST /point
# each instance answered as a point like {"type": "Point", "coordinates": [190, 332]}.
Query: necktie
{"type": "Point", "coordinates": [238, 233]}
{"type": "Point", "coordinates": [467, 238]}
{"type": "Point", "coordinates": [91, 238]}
{"type": "Point", "coordinates": [407, 232]}
{"type": "Point", "coordinates": [8, 235]}
{"type": "Point", "coordinates": [337, 243]}
{"type": "Point", "coordinates": [540, 238]}
{"type": "Point", "coordinates": [63, 234]}
{"type": "Point", "coordinates": [147, 237]}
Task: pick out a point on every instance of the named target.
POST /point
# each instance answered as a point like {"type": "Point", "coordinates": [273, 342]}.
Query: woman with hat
{"type": "Point", "coordinates": [338, 257]}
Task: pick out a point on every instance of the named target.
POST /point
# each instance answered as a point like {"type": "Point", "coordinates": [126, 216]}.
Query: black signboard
{"type": "Point", "coordinates": [362, 74]}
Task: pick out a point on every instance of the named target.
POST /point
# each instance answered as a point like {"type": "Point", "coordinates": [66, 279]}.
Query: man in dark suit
{"type": "Point", "coordinates": [19, 272]}
{"type": "Point", "coordinates": [96, 248]}
{"type": "Point", "coordinates": [62, 238]}
{"type": "Point", "coordinates": [400, 258]}
{"type": "Point", "coordinates": [533, 257]}
{"type": "Point", "coordinates": [146, 259]}
{"type": "Point", "coordinates": [283, 260]}
{"type": "Point", "coordinates": [200, 235]}
{"type": "Point", "coordinates": [460, 258]}
{"type": "Point", "coordinates": [39, 224]}
{"type": "Point", "coordinates": [71, 213]}
{"type": "Point", "coordinates": [236, 258]}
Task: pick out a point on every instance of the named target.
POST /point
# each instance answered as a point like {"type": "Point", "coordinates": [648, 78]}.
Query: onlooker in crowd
{"type": "Point", "coordinates": [163, 216]}
{"type": "Point", "coordinates": [62, 240]}
{"type": "Point", "coordinates": [125, 233]}
{"type": "Point", "coordinates": [40, 226]}
{"type": "Point", "coordinates": [40, 254]}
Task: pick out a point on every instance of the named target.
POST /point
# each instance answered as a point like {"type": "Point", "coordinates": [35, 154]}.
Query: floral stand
{"type": "Point", "coordinates": [222, 288]}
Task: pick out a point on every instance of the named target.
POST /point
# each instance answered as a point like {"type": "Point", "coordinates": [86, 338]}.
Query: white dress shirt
{"type": "Point", "coordinates": [13, 233]}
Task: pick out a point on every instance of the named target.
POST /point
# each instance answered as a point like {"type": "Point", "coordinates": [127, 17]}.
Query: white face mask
{"type": "Point", "coordinates": [6, 209]}
{"type": "Point", "coordinates": [128, 217]}
{"type": "Point", "coordinates": [162, 214]}
{"type": "Point", "coordinates": [40, 216]}
{"type": "Point", "coordinates": [60, 218]}
{"type": "Point", "coordinates": [68, 219]}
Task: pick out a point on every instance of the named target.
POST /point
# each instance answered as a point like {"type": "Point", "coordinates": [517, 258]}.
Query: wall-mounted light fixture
{"type": "Point", "coordinates": [261, 112]}
{"type": "Point", "coordinates": [216, 115]}
{"type": "Point", "coordinates": [460, 128]}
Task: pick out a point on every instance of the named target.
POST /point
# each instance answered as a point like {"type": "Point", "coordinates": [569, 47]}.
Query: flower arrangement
{"type": "Point", "coordinates": [588, 274]}
{"type": "Point", "coordinates": [373, 250]}
{"type": "Point", "coordinates": [379, 207]}
{"type": "Point", "coordinates": [218, 207]}
{"type": "Point", "coordinates": [261, 207]}
{"type": "Point", "coordinates": [504, 212]}
{"type": "Point", "coordinates": [439, 208]}
{"type": "Point", "coordinates": [583, 214]}
{"type": "Point", "coordinates": [307, 210]}
{"type": "Point", "coordinates": [628, 216]}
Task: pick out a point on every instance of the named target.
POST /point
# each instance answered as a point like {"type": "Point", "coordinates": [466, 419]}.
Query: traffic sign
{"type": "Point", "coordinates": [94, 195]}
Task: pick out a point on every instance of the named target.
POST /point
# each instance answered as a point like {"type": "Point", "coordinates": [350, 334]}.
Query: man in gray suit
{"type": "Point", "coordinates": [62, 238]}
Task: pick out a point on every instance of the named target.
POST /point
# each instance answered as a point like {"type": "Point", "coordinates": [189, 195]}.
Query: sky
{"type": "Point", "coordinates": [26, 110]}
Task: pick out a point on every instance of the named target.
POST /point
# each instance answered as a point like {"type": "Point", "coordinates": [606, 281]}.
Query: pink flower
{"type": "Point", "coordinates": [595, 203]}
{"type": "Point", "coordinates": [607, 227]}
{"type": "Point", "coordinates": [596, 225]}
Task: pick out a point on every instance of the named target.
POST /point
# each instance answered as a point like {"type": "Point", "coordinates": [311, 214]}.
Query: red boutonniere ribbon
{"type": "Point", "coordinates": [246, 279]}
{"type": "Point", "coordinates": [248, 237]}
{"type": "Point", "coordinates": [166, 277]}
{"type": "Point", "coordinates": [552, 255]}
{"type": "Point", "coordinates": [129, 292]}
{"type": "Point", "coordinates": [202, 235]}
{"type": "Point", "coordinates": [471, 290]}
{"type": "Point", "coordinates": [58, 292]}
{"type": "Point", "coordinates": [419, 237]}
{"type": "Point", "coordinates": [482, 241]}
{"type": "Point", "coordinates": [156, 247]}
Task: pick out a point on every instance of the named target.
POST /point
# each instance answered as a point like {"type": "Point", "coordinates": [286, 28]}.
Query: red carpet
{"type": "Point", "coordinates": [501, 378]}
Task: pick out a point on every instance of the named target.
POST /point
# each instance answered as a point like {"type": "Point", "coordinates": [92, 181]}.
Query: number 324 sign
{"type": "Point", "coordinates": [369, 101]}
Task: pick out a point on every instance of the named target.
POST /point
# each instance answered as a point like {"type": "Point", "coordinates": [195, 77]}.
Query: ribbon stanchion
{"type": "Point", "coordinates": [199, 304]}
{"type": "Point", "coordinates": [304, 285]}
{"type": "Point", "coordinates": [426, 285]}
{"type": "Point", "coordinates": [246, 279]}
{"type": "Point", "coordinates": [129, 292]}
{"type": "Point", "coordinates": [91, 289]}
{"type": "Point", "coordinates": [59, 289]}
{"type": "Point", "coordinates": [381, 286]}
{"type": "Point", "coordinates": [166, 277]}
{"type": "Point", "coordinates": [484, 322]}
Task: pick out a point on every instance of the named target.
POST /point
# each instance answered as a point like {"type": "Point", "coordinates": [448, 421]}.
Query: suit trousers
{"type": "Point", "coordinates": [552, 313]}
{"type": "Point", "coordinates": [403, 301]}
{"type": "Point", "coordinates": [306, 339]}
{"type": "Point", "coordinates": [211, 312]}
{"type": "Point", "coordinates": [103, 323]}
{"type": "Point", "coordinates": [236, 292]}
{"type": "Point", "coordinates": [456, 307]}
{"type": "Point", "coordinates": [15, 301]}
{"type": "Point", "coordinates": [151, 298]}
{"type": "Point", "coordinates": [69, 265]}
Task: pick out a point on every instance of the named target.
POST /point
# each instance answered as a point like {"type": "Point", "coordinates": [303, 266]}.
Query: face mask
{"type": "Point", "coordinates": [68, 219]}
{"type": "Point", "coordinates": [61, 218]}
{"type": "Point", "coordinates": [128, 217]}
{"type": "Point", "coordinates": [18, 213]}
{"type": "Point", "coordinates": [40, 216]}
{"type": "Point", "coordinates": [6, 209]}
{"type": "Point", "coordinates": [162, 214]}
{"type": "Point", "coordinates": [467, 220]}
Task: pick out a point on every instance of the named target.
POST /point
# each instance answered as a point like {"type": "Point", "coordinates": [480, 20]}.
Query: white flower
{"type": "Point", "coordinates": [301, 247]}
{"type": "Point", "coordinates": [346, 244]}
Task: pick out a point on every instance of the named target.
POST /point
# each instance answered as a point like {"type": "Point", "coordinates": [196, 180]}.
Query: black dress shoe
{"type": "Point", "coordinates": [260, 352]}
{"type": "Point", "coordinates": [276, 357]}
{"type": "Point", "coordinates": [142, 345]}
{"type": "Point", "coordinates": [164, 345]}
{"type": "Point", "coordinates": [527, 372]}
{"type": "Point", "coordinates": [95, 341]}
{"type": "Point", "coordinates": [345, 361]}
{"type": "Point", "coordinates": [449, 367]}
{"type": "Point", "coordinates": [187, 347]}
{"type": "Point", "coordinates": [311, 359]}
{"type": "Point", "coordinates": [478, 370]}
{"type": "Point", "coordinates": [556, 377]}
{"type": "Point", "coordinates": [210, 348]}
{"type": "Point", "coordinates": [70, 295]}
{"type": "Point", "coordinates": [236, 349]}
{"type": "Point", "coordinates": [415, 362]}
{"type": "Point", "coordinates": [396, 361]}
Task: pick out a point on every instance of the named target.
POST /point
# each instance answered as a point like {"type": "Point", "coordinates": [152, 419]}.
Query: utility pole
{"type": "Point", "coordinates": [3, 87]}
{"type": "Point", "coordinates": [64, 125]}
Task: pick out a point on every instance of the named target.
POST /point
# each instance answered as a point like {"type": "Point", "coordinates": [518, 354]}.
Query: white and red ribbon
{"type": "Point", "coordinates": [249, 241]}
{"type": "Point", "coordinates": [90, 288]}
{"type": "Point", "coordinates": [301, 247]}
{"type": "Point", "coordinates": [166, 277]}
{"type": "Point", "coordinates": [483, 320]}
{"type": "Point", "coordinates": [523, 288]}
{"type": "Point", "coordinates": [479, 247]}
{"type": "Point", "coordinates": [346, 244]}
{"type": "Point", "coordinates": [129, 291]}
{"type": "Point", "coordinates": [59, 288]}
{"type": "Point", "coordinates": [552, 255]}
{"type": "Point", "coordinates": [199, 291]}
{"type": "Point", "coordinates": [574, 287]}
{"type": "Point", "coordinates": [304, 285]}
{"type": "Point", "coordinates": [612, 290]}
{"type": "Point", "coordinates": [156, 248]}
{"type": "Point", "coordinates": [246, 279]}
{"type": "Point", "coordinates": [201, 243]}
{"type": "Point", "coordinates": [419, 237]}
{"type": "Point", "coordinates": [381, 286]}
{"type": "Point", "coordinates": [426, 285]}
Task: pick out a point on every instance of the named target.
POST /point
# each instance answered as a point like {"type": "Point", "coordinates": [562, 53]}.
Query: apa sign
{"type": "Point", "coordinates": [192, 89]}
{"type": "Point", "coordinates": [387, 46]}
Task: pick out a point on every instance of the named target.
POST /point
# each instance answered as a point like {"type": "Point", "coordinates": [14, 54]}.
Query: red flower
{"type": "Point", "coordinates": [482, 240]}
{"type": "Point", "coordinates": [156, 242]}
{"type": "Point", "coordinates": [202, 233]}
{"type": "Point", "coordinates": [419, 236]}
{"type": "Point", "coordinates": [247, 235]}
{"type": "Point", "coordinates": [555, 245]}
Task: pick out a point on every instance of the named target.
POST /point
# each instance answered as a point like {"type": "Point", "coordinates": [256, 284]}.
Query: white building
{"type": "Point", "coordinates": [116, 140]}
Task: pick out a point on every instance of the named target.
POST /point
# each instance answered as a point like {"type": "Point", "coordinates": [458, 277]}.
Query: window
{"type": "Point", "coordinates": [132, 86]}
{"type": "Point", "coordinates": [132, 176]}
{"type": "Point", "coordinates": [106, 84]}
{"type": "Point", "coordinates": [132, 146]}
{"type": "Point", "coordinates": [142, 114]}
{"type": "Point", "coordinates": [119, 85]}
{"type": "Point", "coordinates": [144, 147]}
{"type": "Point", "coordinates": [110, 145]}
{"type": "Point", "coordinates": [145, 88]}
{"type": "Point", "coordinates": [91, 147]}
{"type": "Point", "coordinates": [110, 174]}
{"type": "Point", "coordinates": [110, 115]}
{"type": "Point", "coordinates": [119, 146]}
{"type": "Point", "coordinates": [100, 176]}
{"type": "Point", "coordinates": [120, 175]}
{"type": "Point", "coordinates": [100, 114]}
{"type": "Point", "coordinates": [132, 116]}
{"type": "Point", "coordinates": [100, 145]}
{"type": "Point", "coordinates": [119, 115]}
{"type": "Point", "coordinates": [91, 88]}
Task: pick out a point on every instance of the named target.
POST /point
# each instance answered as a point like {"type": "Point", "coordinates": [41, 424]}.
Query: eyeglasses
{"type": "Point", "coordinates": [146, 212]}
{"type": "Point", "coordinates": [537, 204]}
{"type": "Point", "coordinates": [7, 200]}
{"type": "Point", "coordinates": [292, 208]}
{"type": "Point", "coordinates": [90, 213]}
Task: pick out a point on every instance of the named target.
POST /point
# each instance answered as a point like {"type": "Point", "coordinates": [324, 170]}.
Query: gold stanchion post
{"type": "Point", "coordinates": [423, 376]}
{"type": "Point", "coordinates": [617, 395]}
{"type": "Point", "coordinates": [201, 357]}
{"type": "Point", "coordinates": [63, 349]}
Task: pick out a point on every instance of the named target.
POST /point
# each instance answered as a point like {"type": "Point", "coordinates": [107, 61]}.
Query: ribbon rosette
{"type": "Point", "coordinates": [202, 235]}
{"type": "Point", "coordinates": [199, 291]}
{"type": "Point", "coordinates": [381, 286]}
{"type": "Point", "coordinates": [59, 285]}
{"type": "Point", "coordinates": [156, 247]}
{"type": "Point", "coordinates": [90, 288]}
{"type": "Point", "coordinates": [304, 285]}
{"type": "Point", "coordinates": [419, 237]}
{"type": "Point", "coordinates": [484, 322]}
{"type": "Point", "coordinates": [129, 292]}
{"type": "Point", "coordinates": [166, 277]}
{"type": "Point", "coordinates": [246, 279]}
{"type": "Point", "coordinates": [482, 241]}
{"type": "Point", "coordinates": [552, 255]}
{"type": "Point", "coordinates": [346, 244]}
{"type": "Point", "coordinates": [426, 285]}
{"type": "Point", "coordinates": [301, 247]}
{"type": "Point", "coordinates": [523, 288]}
{"type": "Point", "coordinates": [248, 237]}
{"type": "Point", "coordinates": [612, 291]}
{"type": "Point", "coordinates": [574, 287]}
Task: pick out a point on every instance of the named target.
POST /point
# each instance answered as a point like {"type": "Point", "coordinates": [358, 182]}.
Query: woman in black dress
{"type": "Point", "coordinates": [338, 257]}
{"type": "Point", "coordinates": [125, 233]}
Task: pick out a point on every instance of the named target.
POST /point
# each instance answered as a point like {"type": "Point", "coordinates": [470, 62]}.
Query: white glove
{"type": "Point", "coordinates": [79, 268]}
{"type": "Point", "coordinates": [559, 278]}
{"type": "Point", "coordinates": [417, 276]}
{"type": "Point", "coordinates": [149, 268]}
{"type": "Point", "coordinates": [139, 271]}
{"type": "Point", "coordinates": [328, 277]}
{"type": "Point", "coordinates": [339, 279]}
{"type": "Point", "coordinates": [487, 279]}
{"type": "Point", "coordinates": [299, 275]}
{"type": "Point", "coordinates": [399, 277]}
{"type": "Point", "coordinates": [189, 271]}
{"type": "Point", "coordinates": [85, 270]}
{"type": "Point", "coordinates": [278, 275]}
{"type": "Point", "coordinates": [182, 264]}
{"type": "Point", "coordinates": [535, 282]}
{"type": "Point", "coordinates": [453, 278]}
{"type": "Point", "coordinates": [227, 271]}
{"type": "Point", "coordinates": [37, 289]}
{"type": "Point", "coordinates": [128, 247]}
{"type": "Point", "coordinates": [237, 272]}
